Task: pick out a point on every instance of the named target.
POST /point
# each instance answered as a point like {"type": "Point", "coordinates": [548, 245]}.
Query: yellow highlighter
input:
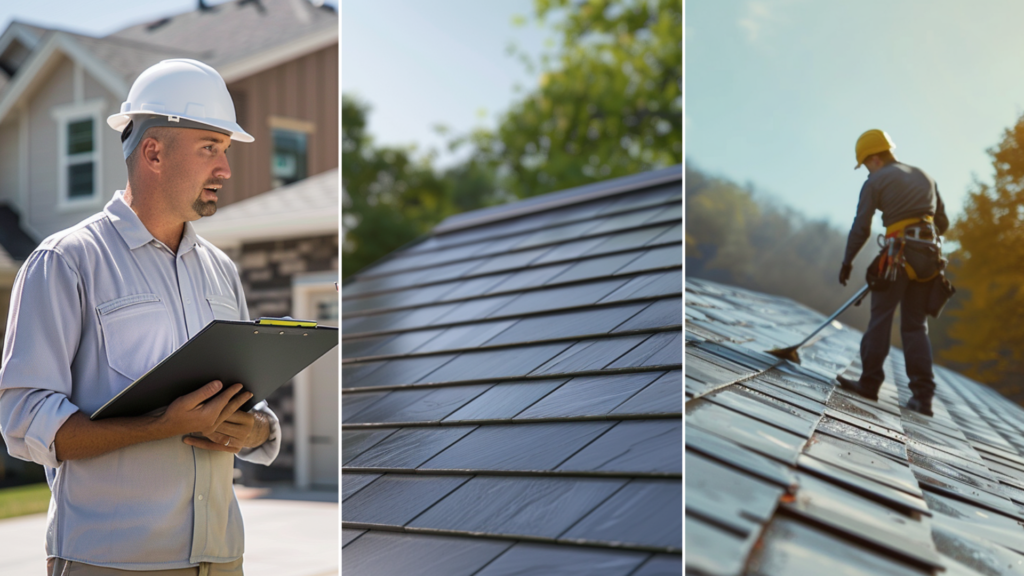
{"type": "Point", "coordinates": [286, 322]}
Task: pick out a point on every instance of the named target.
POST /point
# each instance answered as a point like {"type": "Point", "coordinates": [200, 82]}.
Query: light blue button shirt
{"type": "Point", "coordinates": [92, 309]}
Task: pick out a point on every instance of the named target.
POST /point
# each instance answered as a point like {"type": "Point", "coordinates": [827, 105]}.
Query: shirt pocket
{"type": "Point", "coordinates": [137, 333]}
{"type": "Point", "coordinates": [223, 307]}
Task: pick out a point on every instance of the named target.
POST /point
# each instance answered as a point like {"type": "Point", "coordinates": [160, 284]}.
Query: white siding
{"type": "Point", "coordinates": [44, 215]}
{"type": "Point", "coordinates": [115, 174]}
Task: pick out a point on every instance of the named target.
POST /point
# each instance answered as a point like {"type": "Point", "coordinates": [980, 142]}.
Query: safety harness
{"type": "Point", "coordinates": [912, 245]}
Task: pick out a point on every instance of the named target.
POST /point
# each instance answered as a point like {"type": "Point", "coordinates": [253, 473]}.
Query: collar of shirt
{"type": "Point", "coordinates": [134, 232]}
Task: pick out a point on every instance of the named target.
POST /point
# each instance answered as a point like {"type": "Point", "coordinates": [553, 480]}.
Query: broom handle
{"type": "Point", "coordinates": [856, 297]}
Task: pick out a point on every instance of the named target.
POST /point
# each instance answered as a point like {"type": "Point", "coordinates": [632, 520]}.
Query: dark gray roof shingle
{"type": "Point", "coordinates": [826, 482]}
{"type": "Point", "coordinates": [512, 390]}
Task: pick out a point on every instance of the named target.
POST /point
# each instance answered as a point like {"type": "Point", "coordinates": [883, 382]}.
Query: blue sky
{"type": "Point", "coordinates": [420, 64]}
{"type": "Point", "coordinates": [777, 92]}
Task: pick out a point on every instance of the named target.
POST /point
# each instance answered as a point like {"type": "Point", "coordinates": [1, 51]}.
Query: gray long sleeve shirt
{"type": "Point", "coordinates": [900, 192]}
{"type": "Point", "coordinates": [92, 309]}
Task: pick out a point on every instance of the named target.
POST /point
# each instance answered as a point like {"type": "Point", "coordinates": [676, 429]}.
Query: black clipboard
{"type": "Point", "coordinates": [262, 355]}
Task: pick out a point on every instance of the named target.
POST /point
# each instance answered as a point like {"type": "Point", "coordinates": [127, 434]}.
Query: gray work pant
{"type": "Point", "coordinates": [912, 297]}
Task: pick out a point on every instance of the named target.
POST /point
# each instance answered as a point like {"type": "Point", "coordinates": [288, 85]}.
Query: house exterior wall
{"type": "Point", "coordinates": [44, 213]}
{"type": "Point", "coordinates": [304, 89]}
{"type": "Point", "coordinates": [114, 171]}
{"type": "Point", "coordinates": [267, 269]}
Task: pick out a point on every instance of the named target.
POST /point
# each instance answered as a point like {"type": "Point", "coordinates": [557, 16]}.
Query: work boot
{"type": "Point", "coordinates": [859, 388]}
{"type": "Point", "coordinates": [920, 405]}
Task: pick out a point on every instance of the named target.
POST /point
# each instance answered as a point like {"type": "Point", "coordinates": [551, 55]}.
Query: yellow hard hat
{"type": "Point", "coordinates": [872, 142]}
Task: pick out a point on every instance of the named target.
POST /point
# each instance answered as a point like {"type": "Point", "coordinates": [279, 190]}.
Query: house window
{"type": "Point", "coordinates": [327, 310]}
{"type": "Point", "coordinates": [78, 153]}
{"type": "Point", "coordinates": [290, 159]}
{"type": "Point", "coordinates": [289, 163]}
{"type": "Point", "coordinates": [81, 159]}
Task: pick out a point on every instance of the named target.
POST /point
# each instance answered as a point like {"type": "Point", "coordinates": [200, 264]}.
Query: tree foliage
{"type": "Point", "coordinates": [988, 270]}
{"type": "Point", "coordinates": [389, 198]}
{"type": "Point", "coordinates": [609, 102]}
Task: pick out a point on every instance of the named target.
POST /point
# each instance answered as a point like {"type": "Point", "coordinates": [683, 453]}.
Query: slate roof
{"type": "Point", "coordinates": [512, 391]}
{"type": "Point", "coordinates": [786, 474]}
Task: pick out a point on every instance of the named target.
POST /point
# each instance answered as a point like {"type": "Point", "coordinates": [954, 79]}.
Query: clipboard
{"type": "Point", "coordinates": [262, 355]}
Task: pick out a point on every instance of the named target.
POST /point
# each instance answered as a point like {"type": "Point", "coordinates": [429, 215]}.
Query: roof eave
{"type": "Point", "coordinates": [315, 222]}
{"type": "Point", "coordinates": [17, 31]}
{"type": "Point", "coordinates": [58, 42]}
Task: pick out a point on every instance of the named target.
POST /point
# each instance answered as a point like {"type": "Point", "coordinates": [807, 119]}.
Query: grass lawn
{"type": "Point", "coordinates": [22, 500]}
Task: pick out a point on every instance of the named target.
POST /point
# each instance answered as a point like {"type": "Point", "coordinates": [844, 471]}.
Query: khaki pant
{"type": "Point", "coordinates": [61, 567]}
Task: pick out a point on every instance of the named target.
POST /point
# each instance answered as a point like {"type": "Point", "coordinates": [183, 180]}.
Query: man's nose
{"type": "Point", "coordinates": [222, 170]}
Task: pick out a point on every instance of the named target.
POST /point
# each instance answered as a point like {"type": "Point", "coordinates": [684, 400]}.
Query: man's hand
{"type": "Point", "coordinates": [844, 273]}
{"type": "Point", "coordinates": [239, 430]}
{"type": "Point", "coordinates": [201, 411]}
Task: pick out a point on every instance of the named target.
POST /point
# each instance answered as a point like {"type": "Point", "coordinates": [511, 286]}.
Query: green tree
{"type": "Point", "coordinates": [609, 102]}
{"type": "Point", "coordinates": [988, 269]}
{"type": "Point", "coordinates": [388, 198]}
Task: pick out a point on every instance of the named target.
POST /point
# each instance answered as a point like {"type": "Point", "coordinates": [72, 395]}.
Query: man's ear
{"type": "Point", "coordinates": [152, 154]}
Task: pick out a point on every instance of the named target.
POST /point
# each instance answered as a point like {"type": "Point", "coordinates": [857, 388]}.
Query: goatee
{"type": "Point", "coordinates": [204, 208]}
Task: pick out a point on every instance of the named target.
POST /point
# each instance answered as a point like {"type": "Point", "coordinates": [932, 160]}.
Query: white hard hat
{"type": "Point", "coordinates": [181, 89]}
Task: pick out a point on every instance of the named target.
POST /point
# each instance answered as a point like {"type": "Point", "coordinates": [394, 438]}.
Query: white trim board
{"type": "Point", "coordinates": [302, 286]}
{"type": "Point", "coordinates": [56, 44]}
{"type": "Point", "coordinates": [18, 32]}
{"type": "Point", "coordinates": [63, 115]}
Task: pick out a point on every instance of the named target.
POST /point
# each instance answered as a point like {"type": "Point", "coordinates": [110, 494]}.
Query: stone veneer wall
{"type": "Point", "coordinates": [267, 269]}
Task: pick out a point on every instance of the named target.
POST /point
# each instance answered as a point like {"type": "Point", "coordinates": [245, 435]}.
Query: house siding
{"type": "Point", "coordinates": [303, 89]}
{"type": "Point", "coordinates": [44, 214]}
{"type": "Point", "coordinates": [114, 171]}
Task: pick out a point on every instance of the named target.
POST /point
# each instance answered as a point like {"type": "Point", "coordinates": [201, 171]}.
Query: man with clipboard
{"type": "Point", "coordinates": [96, 306]}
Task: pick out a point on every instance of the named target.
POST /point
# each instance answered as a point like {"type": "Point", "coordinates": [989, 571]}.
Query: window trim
{"type": "Point", "coordinates": [64, 115]}
{"type": "Point", "coordinates": [293, 124]}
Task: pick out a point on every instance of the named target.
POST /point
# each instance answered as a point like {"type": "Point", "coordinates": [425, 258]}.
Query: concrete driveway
{"type": "Point", "coordinates": [287, 533]}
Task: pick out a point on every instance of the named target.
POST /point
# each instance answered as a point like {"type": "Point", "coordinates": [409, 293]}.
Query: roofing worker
{"type": "Point", "coordinates": [914, 217]}
{"type": "Point", "coordinates": [96, 306]}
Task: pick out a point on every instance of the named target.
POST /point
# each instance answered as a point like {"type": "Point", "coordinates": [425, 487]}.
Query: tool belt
{"type": "Point", "coordinates": [911, 245]}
